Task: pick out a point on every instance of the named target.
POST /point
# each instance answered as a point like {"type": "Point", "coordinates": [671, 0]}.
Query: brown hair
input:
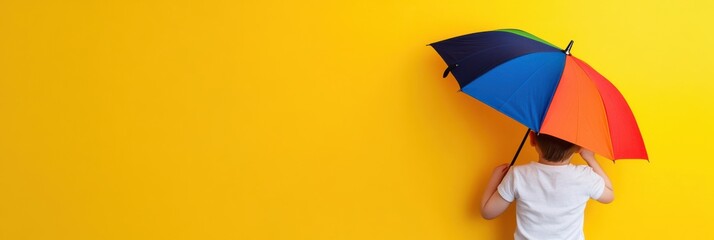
{"type": "Point", "coordinates": [555, 149]}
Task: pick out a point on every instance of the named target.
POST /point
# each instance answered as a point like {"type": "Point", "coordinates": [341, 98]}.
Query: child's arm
{"type": "Point", "coordinates": [608, 194]}
{"type": "Point", "coordinates": [492, 204]}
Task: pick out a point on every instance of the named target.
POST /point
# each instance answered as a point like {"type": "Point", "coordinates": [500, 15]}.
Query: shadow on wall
{"type": "Point", "coordinates": [497, 136]}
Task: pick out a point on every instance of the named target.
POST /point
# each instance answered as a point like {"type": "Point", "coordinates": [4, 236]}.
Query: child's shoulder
{"type": "Point", "coordinates": [535, 165]}
{"type": "Point", "coordinates": [521, 168]}
{"type": "Point", "coordinates": [581, 167]}
{"type": "Point", "coordinates": [581, 170]}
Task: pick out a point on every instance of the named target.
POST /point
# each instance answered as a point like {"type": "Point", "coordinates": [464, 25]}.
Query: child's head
{"type": "Point", "coordinates": [553, 149]}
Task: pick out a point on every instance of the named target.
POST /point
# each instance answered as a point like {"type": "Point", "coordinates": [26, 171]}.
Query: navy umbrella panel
{"type": "Point", "coordinates": [512, 73]}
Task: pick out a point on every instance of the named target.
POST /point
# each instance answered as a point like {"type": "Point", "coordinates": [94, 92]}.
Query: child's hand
{"type": "Point", "coordinates": [500, 170]}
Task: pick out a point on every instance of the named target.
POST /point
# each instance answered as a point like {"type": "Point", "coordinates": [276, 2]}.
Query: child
{"type": "Point", "coordinates": [550, 194]}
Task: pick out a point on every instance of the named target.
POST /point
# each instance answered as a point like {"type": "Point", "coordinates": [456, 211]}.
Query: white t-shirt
{"type": "Point", "coordinates": [551, 199]}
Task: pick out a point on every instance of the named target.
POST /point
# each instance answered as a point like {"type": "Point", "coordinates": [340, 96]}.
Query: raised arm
{"type": "Point", "coordinates": [492, 204]}
{"type": "Point", "coordinates": [608, 195]}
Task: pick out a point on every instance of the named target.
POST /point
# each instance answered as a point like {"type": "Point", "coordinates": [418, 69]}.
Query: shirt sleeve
{"type": "Point", "coordinates": [596, 185]}
{"type": "Point", "coordinates": [507, 187]}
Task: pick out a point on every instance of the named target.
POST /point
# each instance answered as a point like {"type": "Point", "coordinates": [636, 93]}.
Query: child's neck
{"type": "Point", "coordinates": [546, 162]}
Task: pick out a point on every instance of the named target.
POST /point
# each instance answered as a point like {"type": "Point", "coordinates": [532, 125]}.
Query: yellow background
{"type": "Point", "coordinates": [322, 119]}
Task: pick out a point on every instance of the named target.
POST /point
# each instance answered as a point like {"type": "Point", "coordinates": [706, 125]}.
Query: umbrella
{"type": "Point", "coordinates": [545, 88]}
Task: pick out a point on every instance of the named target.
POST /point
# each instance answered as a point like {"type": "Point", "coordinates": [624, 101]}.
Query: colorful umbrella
{"type": "Point", "coordinates": [544, 88]}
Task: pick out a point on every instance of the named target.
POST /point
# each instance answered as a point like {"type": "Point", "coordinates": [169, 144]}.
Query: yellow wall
{"type": "Point", "coordinates": [322, 119]}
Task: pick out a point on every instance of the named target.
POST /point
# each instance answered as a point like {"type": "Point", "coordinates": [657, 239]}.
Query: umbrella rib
{"type": "Point", "coordinates": [611, 147]}
{"type": "Point", "coordinates": [523, 84]}
{"type": "Point", "coordinates": [577, 115]}
{"type": "Point", "coordinates": [550, 101]}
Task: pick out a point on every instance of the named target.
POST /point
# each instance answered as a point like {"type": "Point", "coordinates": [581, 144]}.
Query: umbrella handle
{"type": "Point", "coordinates": [520, 147]}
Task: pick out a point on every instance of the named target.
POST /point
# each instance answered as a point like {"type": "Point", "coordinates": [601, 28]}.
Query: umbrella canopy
{"type": "Point", "coordinates": [544, 88]}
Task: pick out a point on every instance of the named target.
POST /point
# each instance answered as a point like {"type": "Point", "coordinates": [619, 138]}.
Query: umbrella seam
{"type": "Point", "coordinates": [550, 100]}
{"type": "Point", "coordinates": [611, 147]}
{"type": "Point", "coordinates": [537, 39]}
{"type": "Point", "coordinates": [523, 84]}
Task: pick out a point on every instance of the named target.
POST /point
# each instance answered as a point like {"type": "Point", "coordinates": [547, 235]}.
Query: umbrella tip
{"type": "Point", "coordinates": [567, 49]}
